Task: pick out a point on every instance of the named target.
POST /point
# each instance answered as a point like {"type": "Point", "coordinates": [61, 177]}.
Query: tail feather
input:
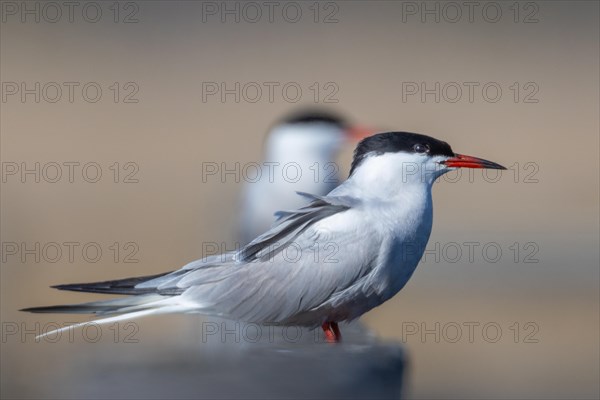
{"type": "Point", "coordinates": [142, 301]}
{"type": "Point", "coordinates": [117, 318]}
{"type": "Point", "coordinates": [112, 306]}
{"type": "Point", "coordinates": [118, 309]}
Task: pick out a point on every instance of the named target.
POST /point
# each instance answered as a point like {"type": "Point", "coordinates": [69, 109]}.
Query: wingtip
{"type": "Point", "coordinates": [66, 286]}
{"type": "Point", "coordinates": [35, 310]}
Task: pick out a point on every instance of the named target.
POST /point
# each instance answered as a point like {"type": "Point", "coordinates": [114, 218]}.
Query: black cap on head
{"type": "Point", "coordinates": [312, 116]}
{"type": "Point", "coordinates": [393, 142]}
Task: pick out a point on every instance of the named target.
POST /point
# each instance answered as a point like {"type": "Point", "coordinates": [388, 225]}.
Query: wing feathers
{"type": "Point", "coordinates": [291, 225]}
{"type": "Point", "coordinates": [125, 286]}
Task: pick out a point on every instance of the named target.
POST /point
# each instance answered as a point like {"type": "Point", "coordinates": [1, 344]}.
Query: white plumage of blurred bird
{"type": "Point", "coordinates": [300, 155]}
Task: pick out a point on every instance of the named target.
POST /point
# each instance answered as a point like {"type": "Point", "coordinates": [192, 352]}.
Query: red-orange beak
{"type": "Point", "coordinates": [462, 161]}
{"type": "Point", "coordinates": [359, 132]}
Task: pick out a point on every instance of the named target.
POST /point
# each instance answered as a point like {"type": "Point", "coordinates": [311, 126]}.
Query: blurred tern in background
{"type": "Point", "coordinates": [300, 156]}
{"type": "Point", "coordinates": [327, 262]}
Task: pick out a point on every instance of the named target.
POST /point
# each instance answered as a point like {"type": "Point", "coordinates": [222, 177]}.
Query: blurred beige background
{"type": "Point", "coordinates": [368, 54]}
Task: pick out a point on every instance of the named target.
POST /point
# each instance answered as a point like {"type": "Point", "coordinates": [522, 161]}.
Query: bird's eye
{"type": "Point", "coordinates": [421, 148]}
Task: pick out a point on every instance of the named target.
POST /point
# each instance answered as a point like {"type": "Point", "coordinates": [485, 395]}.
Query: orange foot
{"type": "Point", "coordinates": [332, 332]}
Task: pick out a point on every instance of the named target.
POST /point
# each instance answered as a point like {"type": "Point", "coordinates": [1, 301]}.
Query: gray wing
{"type": "Point", "coordinates": [291, 224]}
{"type": "Point", "coordinates": [310, 256]}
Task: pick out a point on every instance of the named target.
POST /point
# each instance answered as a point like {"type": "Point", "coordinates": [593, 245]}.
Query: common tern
{"type": "Point", "coordinates": [330, 261]}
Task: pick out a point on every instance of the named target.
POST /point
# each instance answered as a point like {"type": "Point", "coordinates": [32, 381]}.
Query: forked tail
{"type": "Point", "coordinates": [141, 302]}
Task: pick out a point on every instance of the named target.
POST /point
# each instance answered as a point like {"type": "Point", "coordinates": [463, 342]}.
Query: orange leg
{"type": "Point", "coordinates": [336, 331]}
{"type": "Point", "coordinates": [332, 332]}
